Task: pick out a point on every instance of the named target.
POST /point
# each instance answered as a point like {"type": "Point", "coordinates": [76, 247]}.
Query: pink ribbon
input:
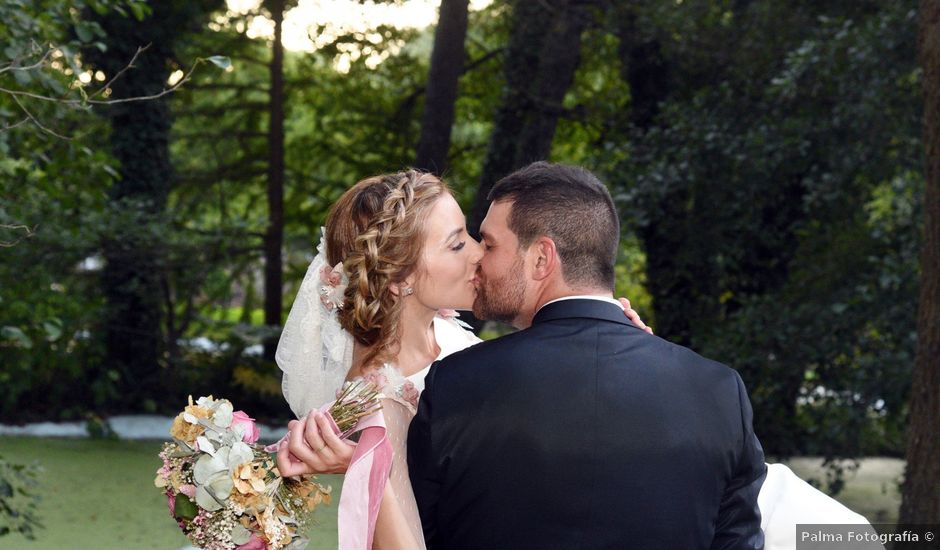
{"type": "Point", "coordinates": [364, 484]}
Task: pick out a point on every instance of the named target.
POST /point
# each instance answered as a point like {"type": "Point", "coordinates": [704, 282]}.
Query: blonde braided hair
{"type": "Point", "coordinates": [377, 230]}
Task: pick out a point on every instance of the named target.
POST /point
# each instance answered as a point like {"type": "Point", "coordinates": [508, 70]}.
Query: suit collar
{"type": "Point", "coordinates": [581, 308]}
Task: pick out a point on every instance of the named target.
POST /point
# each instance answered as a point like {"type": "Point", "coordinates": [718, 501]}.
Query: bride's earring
{"type": "Point", "coordinates": [409, 291]}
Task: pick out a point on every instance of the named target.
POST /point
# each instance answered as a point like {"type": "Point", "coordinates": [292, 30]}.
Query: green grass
{"type": "Point", "coordinates": [100, 495]}
{"type": "Point", "coordinates": [872, 490]}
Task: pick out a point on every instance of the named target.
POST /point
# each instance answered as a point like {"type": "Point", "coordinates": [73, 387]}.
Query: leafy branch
{"type": "Point", "coordinates": [86, 98]}
{"type": "Point", "coordinates": [29, 233]}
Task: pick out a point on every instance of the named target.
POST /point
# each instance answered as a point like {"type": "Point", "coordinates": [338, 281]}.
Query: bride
{"type": "Point", "coordinates": [376, 303]}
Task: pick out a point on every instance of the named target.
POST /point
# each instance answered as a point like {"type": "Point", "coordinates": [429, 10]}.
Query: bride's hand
{"type": "Point", "coordinates": [633, 315]}
{"type": "Point", "coordinates": [313, 448]}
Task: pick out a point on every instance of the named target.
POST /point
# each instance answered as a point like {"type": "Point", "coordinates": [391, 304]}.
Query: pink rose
{"type": "Point", "coordinates": [332, 276]}
{"type": "Point", "coordinates": [188, 490]}
{"type": "Point", "coordinates": [255, 543]}
{"type": "Point", "coordinates": [171, 503]}
{"type": "Point", "coordinates": [251, 431]}
{"type": "Point", "coordinates": [409, 392]}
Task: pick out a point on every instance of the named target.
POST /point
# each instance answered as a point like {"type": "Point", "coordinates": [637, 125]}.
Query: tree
{"type": "Point", "coordinates": [921, 491]}
{"type": "Point", "coordinates": [540, 64]}
{"type": "Point", "coordinates": [773, 195]}
{"type": "Point", "coordinates": [274, 236]}
{"type": "Point", "coordinates": [131, 280]}
{"type": "Point", "coordinates": [447, 59]}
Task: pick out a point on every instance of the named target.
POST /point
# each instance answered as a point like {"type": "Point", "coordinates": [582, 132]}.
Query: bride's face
{"type": "Point", "coordinates": [444, 280]}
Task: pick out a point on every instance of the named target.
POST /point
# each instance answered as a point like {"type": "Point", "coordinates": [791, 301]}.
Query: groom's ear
{"type": "Point", "coordinates": [544, 257]}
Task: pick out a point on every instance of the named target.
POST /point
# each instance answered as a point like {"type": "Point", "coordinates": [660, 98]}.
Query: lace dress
{"type": "Point", "coordinates": [399, 404]}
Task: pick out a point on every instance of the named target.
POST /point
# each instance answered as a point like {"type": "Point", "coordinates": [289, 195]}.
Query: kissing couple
{"type": "Point", "coordinates": [581, 430]}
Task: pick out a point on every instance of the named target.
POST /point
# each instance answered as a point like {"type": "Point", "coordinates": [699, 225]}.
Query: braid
{"type": "Point", "coordinates": [384, 253]}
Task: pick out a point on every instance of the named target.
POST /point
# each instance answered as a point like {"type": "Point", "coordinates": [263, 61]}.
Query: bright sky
{"type": "Point", "coordinates": [340, 17]}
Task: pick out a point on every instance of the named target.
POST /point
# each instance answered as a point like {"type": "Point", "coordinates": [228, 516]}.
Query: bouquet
{"type": "Point", "coordinates": [225, 491]}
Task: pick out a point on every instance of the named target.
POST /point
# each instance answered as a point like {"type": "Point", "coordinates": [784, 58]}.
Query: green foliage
{"type": "Point", "coordinates": [770, 210]}
{"type": "Point", "coordinates": [19, 499]}
{"type": "Point", "coordinates": [777, 200]}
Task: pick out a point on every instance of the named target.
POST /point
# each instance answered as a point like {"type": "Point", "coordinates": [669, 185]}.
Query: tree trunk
{"type": "Point", "coordinates": [644, 69]}
{"type": "Point", "coordinates": [274, 236]}
{"type": "Point", "coordinates": [541, 60]}
{"type": "Point", "coordinates": [921, 491]}
{"type": "Point", "coordinates": [561, 55]}
{"type": "Point", "coordinates": [133, 260]}
{"type": "Point", "coordinates": [447, 61]}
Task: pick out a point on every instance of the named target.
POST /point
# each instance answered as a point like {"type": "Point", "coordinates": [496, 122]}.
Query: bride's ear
{"type": "Point", "coordinates": [404, 288]}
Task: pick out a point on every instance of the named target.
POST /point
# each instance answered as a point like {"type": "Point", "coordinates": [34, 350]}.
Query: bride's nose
{"type": "Point", "coordinates": [476, 251]}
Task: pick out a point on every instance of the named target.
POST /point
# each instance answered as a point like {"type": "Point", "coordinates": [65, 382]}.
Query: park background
{"type": "Point", "coordinates": [165, 168]}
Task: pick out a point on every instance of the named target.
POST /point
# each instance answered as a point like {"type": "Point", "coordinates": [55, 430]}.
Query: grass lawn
{"type": "Point", "coordinates": [872, 490]}
{"type": "Point", "coordinates": [100, 495]}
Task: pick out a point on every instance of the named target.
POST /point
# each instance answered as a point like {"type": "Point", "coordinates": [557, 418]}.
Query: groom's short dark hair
{"type": "Point", "coordinates": [572, 207]}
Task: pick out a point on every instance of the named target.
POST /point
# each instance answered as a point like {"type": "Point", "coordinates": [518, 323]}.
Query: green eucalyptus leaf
{"type": "Point", "coordinates": [240, 535]}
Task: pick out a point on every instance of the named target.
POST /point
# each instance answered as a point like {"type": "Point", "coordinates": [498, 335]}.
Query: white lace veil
{"type": "Point", "coordinates": [314, 351]}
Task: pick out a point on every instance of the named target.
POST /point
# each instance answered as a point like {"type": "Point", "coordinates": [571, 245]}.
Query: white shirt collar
{"type": "Point", "coordinates": [584, 297]}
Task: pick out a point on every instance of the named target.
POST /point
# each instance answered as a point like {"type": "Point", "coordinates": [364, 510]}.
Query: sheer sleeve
{"type": "Point", "coordinates": [398, 526]}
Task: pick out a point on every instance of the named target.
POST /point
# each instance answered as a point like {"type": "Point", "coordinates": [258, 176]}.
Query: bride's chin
{"type": "Point", "coordinates": [464, 302]}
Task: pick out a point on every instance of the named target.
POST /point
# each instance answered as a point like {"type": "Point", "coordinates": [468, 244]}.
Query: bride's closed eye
{"type": "Point", "coordinates": [459, 246]}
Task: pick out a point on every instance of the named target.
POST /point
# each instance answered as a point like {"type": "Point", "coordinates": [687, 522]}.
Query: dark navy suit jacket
{"type": "Point", "coordinates": [585, 432]}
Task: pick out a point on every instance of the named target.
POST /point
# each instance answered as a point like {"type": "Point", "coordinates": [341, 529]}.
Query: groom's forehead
{"type": "Point", "coordinates": [496, 220]}
{"type": "Point", "coordinates": [499, 212]}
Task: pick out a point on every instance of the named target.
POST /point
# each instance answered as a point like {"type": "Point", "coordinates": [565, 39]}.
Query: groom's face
{"type": "Point", "coordinates": [501, 275]}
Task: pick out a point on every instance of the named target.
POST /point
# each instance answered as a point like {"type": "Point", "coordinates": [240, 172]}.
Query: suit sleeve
{"type": "Point", "coordinates": [738, 525]}
{"type": "Point", "coordinates": [423, 464]}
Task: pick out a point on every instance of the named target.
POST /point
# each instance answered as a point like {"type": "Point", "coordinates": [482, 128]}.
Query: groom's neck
{"type": "Point", "coordinates": [554, 291]}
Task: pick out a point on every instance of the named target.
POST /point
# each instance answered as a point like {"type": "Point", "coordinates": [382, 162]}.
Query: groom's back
{"type": "Point", "coordinates": [583, 432]}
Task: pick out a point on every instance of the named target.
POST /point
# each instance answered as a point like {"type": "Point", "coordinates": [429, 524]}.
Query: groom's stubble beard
{"type": "Point", "coordinates": [501, 299]}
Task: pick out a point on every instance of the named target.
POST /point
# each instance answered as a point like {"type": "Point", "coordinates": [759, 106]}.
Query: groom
{"type": "Point", "coordinates": [579, 431]}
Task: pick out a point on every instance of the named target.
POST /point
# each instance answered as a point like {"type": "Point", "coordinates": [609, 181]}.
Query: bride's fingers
{"type": "Point", "coordinates": [337, 453]}
{"type": "Point", "coordinates": [633, 315]}
{"type": "Point", "coordinates": [286, 466]}
{"type": "Point", "coordinates": [299, 447]}
{"type": "Point", "coordinates": [311, 432]}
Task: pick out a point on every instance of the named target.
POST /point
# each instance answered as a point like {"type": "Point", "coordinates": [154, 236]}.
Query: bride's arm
{"type": "Point", "coordinates": [391, 525]}
{"type": "Point", "coordinates": [296, 456]}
